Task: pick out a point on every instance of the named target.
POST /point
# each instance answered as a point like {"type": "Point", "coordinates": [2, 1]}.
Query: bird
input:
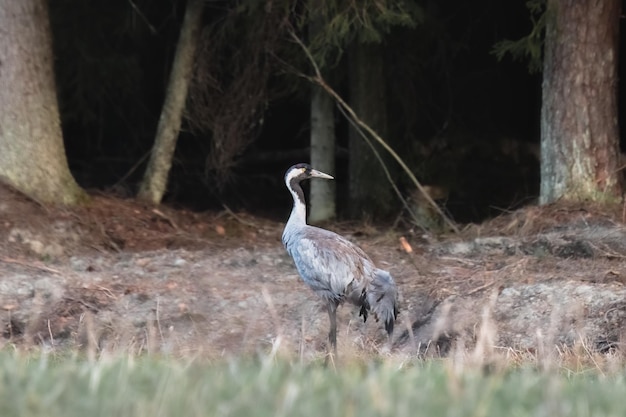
{"type": "Point", "coordinates": [336, 269]}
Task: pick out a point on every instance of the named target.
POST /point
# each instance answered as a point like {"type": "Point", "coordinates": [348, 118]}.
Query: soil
{"type": "Point", "coordinates": [119, 274]}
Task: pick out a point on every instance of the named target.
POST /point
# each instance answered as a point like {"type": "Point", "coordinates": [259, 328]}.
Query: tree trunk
{"type": "Point", "coordinates": [32, 153]}
{"type": "Point", "coordinates": [154, 182]}
{"type": "Point", "coordinates": [369, 190]}
{"type": "Point", "coordinates": [322, 196]}
{"type": "Point", "coordinates": [322, 155]}
{"type": "Point", "coordinates": [579, 129]}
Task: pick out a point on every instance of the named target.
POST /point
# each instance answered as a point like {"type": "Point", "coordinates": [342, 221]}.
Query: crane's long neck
{"type": "Point", "coordinates": [298, 212]}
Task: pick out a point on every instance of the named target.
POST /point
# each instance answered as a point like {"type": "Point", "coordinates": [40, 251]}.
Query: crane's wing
{"type": "Point", "coordinates": [328, 262]}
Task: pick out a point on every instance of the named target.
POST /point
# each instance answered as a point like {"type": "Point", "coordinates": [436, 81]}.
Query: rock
{"type": "Point", "coordinates": [497, 245]}
{"type": "Point", "coordinates": [26, 298]}
{"type": "Point", "coordinates": [180, 262]}
{"type": "Point", "coordinates": [562, 313]}
{"type": "Point", "coordinates": [529, 317]}
{"type": "Point", "coordinates": [16, 286]}
{"type": "Point", "coordinates": [36, 243]}
{"type": "Point", "coordinates": [79, 264]}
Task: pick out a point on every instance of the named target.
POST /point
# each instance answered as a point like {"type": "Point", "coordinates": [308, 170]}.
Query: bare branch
{"type": "Point", "coordinates": [354, 119]}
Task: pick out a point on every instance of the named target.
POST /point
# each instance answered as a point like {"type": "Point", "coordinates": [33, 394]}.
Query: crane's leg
{"type": "Point", "coordinates": [332, 315]}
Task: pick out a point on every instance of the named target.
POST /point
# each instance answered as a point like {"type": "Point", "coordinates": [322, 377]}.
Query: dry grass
{"type": "Point", "coordinates": [485, 381]}
{"type": "Point", "coordinates": [160, 375]}
{"type": "Point", "coordinates": [474, 352]}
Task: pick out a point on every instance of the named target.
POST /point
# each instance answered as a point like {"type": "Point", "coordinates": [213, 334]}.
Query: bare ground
{"type": "Point", "coordinates": [118, 274]}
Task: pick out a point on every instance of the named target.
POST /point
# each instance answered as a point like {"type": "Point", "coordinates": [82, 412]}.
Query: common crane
{"type": "Point", "coordinates": [333, 267]}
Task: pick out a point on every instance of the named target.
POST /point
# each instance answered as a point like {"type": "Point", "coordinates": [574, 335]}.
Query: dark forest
{"type": "Point", "coordinates": [462, 119]}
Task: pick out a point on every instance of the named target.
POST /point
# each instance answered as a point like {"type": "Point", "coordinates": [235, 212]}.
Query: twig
{"type": "Point", "coordinates": [50, 334]}
{"type": "Point", "coordinates": [459, 260]}
{"type": "Point", "coordinates": [10, 325]}
{"type": "Point", "coordinates": [607, 254]}
{"type": "Point", "coordinates": [30, 265]}
{"type": "Point", "coordinates": [590, 355]}
{"type": "Point", "coordinates": [143, 17]}
{"type": "Point", "coordinates": [382, 164]}
{"type": "Point", "coordinates": [272, 309]}
{"type": "Point", "coordinates": [107, 291]}
{"type": "Point", "coordinates": [90, 306]}
{"type": "Point", "coordinates": [166, 218]}
{"type": "Point", "coordinates": [133, 168]}
{"type": "Point", "coordinates": [302, 340]}
{"type": "Point", "coordinates": [158, 320]}
{"type": "Point", "coordinates": [318, 79]}
{"type": "Point", "coordinates": [238, 218]}
{"type": "Point", "coordinates": [482, 287]}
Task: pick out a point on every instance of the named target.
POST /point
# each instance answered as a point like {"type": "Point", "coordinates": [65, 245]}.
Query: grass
{"type": "Point", "coordinates": [147, 386]}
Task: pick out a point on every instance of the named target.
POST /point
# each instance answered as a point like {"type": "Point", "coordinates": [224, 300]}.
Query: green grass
{"type": "Point", "coordinates": [53, 386]}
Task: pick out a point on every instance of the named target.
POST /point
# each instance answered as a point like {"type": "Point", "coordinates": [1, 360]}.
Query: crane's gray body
{"type": "Point", "coordinates": [328, 263]}
{"type": "Point", "coordinates": [333, 267]}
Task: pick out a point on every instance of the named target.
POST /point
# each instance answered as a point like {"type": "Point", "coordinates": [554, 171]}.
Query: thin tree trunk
{"type": "Point", "coordinates": [32, 153]}
{"type": "Point", "coordinates": [322, 155]}
{"type": "Point", "coordinates": [369, 190]}
{"type": "Point", "coordinates": [154, 183]}
{"type": "Point", "coordinates": [579, 129]}
{"type": "Point", "coordinates": [322, 196]}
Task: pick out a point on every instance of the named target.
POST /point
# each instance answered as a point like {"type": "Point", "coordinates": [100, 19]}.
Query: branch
{"type": "Point", "coordinates": [318, 79]}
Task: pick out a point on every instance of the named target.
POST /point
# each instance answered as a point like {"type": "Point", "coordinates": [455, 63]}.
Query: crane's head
{"type": "Point", "coordinates": [301, 172]}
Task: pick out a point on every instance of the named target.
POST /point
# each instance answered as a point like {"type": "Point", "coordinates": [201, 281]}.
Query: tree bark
{"type": "Point", "coordinates": [322, 196]}
{"type": "Point", "coordinates": [369, 190]}
{"type": "Point", "coordinates": [579, 128]}
{"type": "Point", "coordinates": [154, 183]}
{"type": "Point", "coordinates": [32, 153]}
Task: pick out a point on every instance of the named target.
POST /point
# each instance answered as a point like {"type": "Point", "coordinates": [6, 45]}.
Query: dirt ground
{"type": "Point", "coordinates": [118, 274]}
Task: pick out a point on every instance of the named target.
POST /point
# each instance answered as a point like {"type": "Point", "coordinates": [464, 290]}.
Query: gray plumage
{"type": "Point", "coordinates": [333, 267]}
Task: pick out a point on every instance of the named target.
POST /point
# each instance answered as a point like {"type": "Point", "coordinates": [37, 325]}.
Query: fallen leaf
{"type": "Point", "coordinates": [405, 245]}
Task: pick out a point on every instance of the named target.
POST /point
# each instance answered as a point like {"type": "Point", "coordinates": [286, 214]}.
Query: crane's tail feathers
{"type": "Point", "coordinates": [382, 297]}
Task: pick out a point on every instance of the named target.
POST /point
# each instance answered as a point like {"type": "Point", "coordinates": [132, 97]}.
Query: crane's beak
{"type": "Point", "coordinates": [319, 174]}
